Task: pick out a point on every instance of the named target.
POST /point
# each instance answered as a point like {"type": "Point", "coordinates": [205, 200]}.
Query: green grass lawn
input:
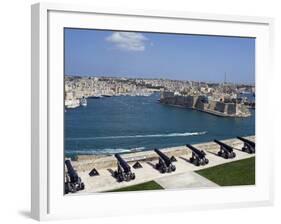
{"type": "Point", "coordinates": [240, 172]}
{"type": "Point", "coordinates": [150, 185]}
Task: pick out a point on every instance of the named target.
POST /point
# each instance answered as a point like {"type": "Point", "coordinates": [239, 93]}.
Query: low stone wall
{"type": "Point", "coordinates": [88, 162]}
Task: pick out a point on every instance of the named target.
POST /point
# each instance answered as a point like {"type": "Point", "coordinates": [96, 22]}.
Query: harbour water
{"type": "Point", "coordinates": [134, 123]}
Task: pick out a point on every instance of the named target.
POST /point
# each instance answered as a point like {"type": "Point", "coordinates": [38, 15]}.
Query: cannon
{"type": "Point", "coordinates": [249, 146]}
{"type": "Point", "coordinates": [73, 182]}
{"type": "Point", "coordinates": [165, 163]}
{"type": "Point", "coordinates": [226, 151]}
{"type": "Point", "coordinates": [123, 172]}
{"type": "Point", "coordinates": [198, 156]}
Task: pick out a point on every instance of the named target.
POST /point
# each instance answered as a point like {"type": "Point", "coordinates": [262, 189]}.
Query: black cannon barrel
{"type": "Point", "coordinates": [163, 156]}
{"type": "Point", "coordinates": [196, 151]}
{"type": "Point", "coordinates": [71, 172]}
{"type": "Point", "coordinates": [123, 163]}
{"type": "Point", "coordinates": [251, 143]}
{"type": "Point", "coordinates": [227, 147]}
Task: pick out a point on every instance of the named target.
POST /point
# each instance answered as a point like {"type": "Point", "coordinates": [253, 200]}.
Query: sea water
{"type": "Point", "coordinates": [134, 123]}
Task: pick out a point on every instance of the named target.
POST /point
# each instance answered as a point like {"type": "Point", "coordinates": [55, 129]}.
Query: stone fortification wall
{"type": "Point", "coordinates": [231, 108]}
{"type": "Point", "coordinates": [186, 101]}
{"type": "Point", "coordinates": [220, 107]}
{"type": "Point", "coordinates": [211, 106]}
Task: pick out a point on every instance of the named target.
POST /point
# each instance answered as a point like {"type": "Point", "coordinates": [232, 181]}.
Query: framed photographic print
{"type": "Point", "coordinates": [162, 111]}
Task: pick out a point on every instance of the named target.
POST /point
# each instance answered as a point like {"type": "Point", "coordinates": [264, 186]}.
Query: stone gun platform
{"type": "Point", "coordinates": [183, 177]}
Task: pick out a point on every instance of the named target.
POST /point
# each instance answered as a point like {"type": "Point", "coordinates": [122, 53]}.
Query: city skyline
{"type": "Point", "coordinates": [159, 56]}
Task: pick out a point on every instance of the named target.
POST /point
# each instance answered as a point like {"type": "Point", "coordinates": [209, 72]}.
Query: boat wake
{"type": "Point", "coordinates": [103, 151]}
{"type": "Point", "coordinates": [184, 134]}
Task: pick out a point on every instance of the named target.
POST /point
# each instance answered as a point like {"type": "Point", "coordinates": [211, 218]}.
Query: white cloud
{"type": "Point", "coordinates": [128, 41]}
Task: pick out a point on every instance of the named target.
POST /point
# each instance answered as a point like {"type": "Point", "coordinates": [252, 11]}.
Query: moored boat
{"type": "Point", "coordinates": [83, 102]}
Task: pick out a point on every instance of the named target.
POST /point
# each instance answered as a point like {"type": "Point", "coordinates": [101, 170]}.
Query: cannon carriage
{"type": "Point", "coordinates": [164, 164]}
{"type": "Point", "coordinates": [198, 156]}
{"type": "Point", "coordinates": [73, 182]}
{"type": "Point", "coordinates": [123, 172]}
{"type": "Point", "coordinates": [248, 146]}
{"type": "Point", "coordinates": [226, 151]}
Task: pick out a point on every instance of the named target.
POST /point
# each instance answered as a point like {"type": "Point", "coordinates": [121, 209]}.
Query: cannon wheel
{"type": "Point", "coordinates": [82, 186]}
{"type": "Point", "coordinates": [196, 162]}
{"type": "Point", "coordinates": [133, 176]}
{"type": "Point", "coordinates": [247, 150]}
{"type": "Point", "coordinates": [202, 162]}
{"type": "Point", "coordinates": [120, 178]}
{"type": "Point", "coordinates": [67, 188]}
{"type": "Point", "coordinates": [127, 177]}
{"type": "Point", "coordinates": [163, 170]}
{"type": "Point", "coordinates": [72, 188]}
{"type": "Point", "coordinates": [173, 168]}
{"type": "Point", "coordinates": [115, 174]}
{"type": "Point", "coordinates": [157, 166]}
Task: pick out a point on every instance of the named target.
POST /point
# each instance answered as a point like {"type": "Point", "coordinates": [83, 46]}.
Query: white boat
{"type": "Point", "coordinates": [83, 102]}
{"type": "Point", "coordinates": [73, 103]}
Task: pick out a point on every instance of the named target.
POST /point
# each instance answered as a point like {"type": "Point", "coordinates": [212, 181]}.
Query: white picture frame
{"type": "Point", "coordinates": [48, 201]}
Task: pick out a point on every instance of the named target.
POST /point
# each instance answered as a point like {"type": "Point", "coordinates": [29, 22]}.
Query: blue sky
{"type": "Point", "coordinates": [155, 55]}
